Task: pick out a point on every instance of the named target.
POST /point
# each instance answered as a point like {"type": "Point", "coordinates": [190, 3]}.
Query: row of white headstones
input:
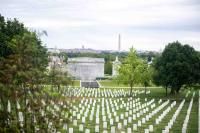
{"type": "Point", "coordinates": [97, 92]}
{"type": "Point", "coordinates": [173, 119]}
{"type": "Point", "coordinates": [134, 109]}
{"type": "Point", "coordinates": [55, 107]}
{"type": "Point", "coordinates": [127, 117]}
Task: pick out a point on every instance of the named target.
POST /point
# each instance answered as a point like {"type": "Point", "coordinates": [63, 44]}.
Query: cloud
{"type": "Point", "coordinates": [96, 23]}
{"type": "Point", "coordinates": [58, 24]}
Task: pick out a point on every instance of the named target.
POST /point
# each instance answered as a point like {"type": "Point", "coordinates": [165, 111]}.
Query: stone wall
{"type": "Point", "coordinates": [85, 68]}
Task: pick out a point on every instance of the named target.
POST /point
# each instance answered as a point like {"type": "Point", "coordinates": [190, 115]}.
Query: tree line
{"type": "Point", "coordinates": [109, 57]}
{"type": "Point", "coordinates": [25, 80]}
{"type": "Point", "coordinates": [176, 68]}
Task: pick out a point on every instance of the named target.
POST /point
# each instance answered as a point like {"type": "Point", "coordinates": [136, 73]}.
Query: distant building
{"type": "Point", "coordinates": [86, 68]}
{"type": "Point", "coordinates": [53, 50]}
{"type": "Point", "coordinates": [115, 66]}
{"type": "Point", "coordinates": [58, 63]}
{"type": "Point", "coordinates": [117, 63]}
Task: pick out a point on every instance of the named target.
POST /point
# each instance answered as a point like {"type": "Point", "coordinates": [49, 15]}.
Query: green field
{"type": "Point", "coordinates": [111, 83]}
{"type": "Point", "coordinates": [77, 83]}
{"type": "Point", "coordinates": [155, 93]}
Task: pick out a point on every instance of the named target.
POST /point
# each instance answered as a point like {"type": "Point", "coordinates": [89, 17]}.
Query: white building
{"type": "Point", "coordinates": [115, 66]}
{"type": "Point", "coordinates": [86, 68]}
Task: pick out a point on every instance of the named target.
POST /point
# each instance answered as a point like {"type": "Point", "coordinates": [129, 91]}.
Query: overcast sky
{"type": "Point", "coordinates": [143, 24]}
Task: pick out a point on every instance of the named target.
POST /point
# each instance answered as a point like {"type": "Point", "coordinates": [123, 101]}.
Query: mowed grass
{"type": "Point", "coordinates": [115, 84]}
{"type": "Point", "coordinates": [77, 83]}
{"type": "Point", "coordinates": [157, 94]}
{"type": "Point", "coordinates": [111, 83]}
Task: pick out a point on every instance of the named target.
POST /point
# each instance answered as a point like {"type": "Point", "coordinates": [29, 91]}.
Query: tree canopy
{"type": "Point", "coordinates": [23, 79]}
{"type": "Point", "coordinates": [177, 66]}
{"type": "Point", "coordinates": [146, 74]}
{"type": "Point", "coordinates": [129, 71]}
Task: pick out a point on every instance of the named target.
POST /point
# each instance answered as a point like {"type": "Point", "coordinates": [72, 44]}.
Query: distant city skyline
{"type": "Point", "coordinates": [96, 24]}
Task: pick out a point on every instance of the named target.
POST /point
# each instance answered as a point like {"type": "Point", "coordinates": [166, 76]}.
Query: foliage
{"type": "Point", "coordinates": [129, 71]}
{"type": "Point", "coordinates": [57, 77]}
{"type": "Point", "coordinates": [110, 57]}
{"type": "Point", "coordinates": [146, 75]}
{"type": "Point", "coordinates": [177, 66]}
{"type": "Point", "coordinates": [23, 63]}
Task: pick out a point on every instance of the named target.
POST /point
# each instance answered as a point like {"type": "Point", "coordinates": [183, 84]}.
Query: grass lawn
{"type": "Point", "coordinates": [157, 94]}
{"type": "Point", "coordinates": [111, 83]}
{"type": "Point", "coordinates": [77, 83]}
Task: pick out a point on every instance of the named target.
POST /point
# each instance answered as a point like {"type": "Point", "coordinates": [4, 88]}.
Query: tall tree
{"type": "Point", "coordinates": [177, 66]}
{"type": "Point", "coordinates": [23, 62]}
{"type": "Point", "coordinates": [129, 70]}
{"type": "Point", "coordinates": [146, 75]}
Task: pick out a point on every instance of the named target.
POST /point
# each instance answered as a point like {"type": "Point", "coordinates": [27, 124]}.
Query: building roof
{"type": "Point", "coordinates": [85, 60]}
{"type": "Point", "coordinates": [116, 61]}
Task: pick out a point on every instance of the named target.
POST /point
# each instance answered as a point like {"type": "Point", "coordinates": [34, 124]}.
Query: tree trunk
{"type": "Point", "coordinates": [166, 90]}
{"type": "Point", "coordinates": [145, 89]}
{"type": "Point", "coordinates": [4, 104]}
{"type": "Point", "coordinates": [25, 109]}
{"type": "Point", "coordinates": [17, 112]}
{"type": "Point", "coordinates": [58, 88]}
{"type": "Point", "coordinates": [131, 91]}
{"type": "Point", "coordinates": [178, 89]}
{"type": "Point", "coordinates": [172, 91]}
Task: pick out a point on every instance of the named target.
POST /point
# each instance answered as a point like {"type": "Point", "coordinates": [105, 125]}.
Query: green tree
{"type": "Point", "coordinates": [146, 75]}
{"type": "Point", "coordinates": [177, 66]}
{"type": "Point", "coordinates": [22, 69]}
{"type": "Point", "coordinates": [58, 77]}
{"type": "Point", "coordinates": [64, 56]}
{"type": "Point", "coordinates": [23, 63]}
{"type": "Point", "coordinates": [108, 67]}
{"type": "Point", "coordinates": [9, 29]}
{"type": "Point", "coordinates": [129, 71]}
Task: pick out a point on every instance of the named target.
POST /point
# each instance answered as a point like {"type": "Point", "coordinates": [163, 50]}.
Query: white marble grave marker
{"type": "Point", "coordinates": [97, 128]}
{"type": "Point", "coordinates": [119, 126]}
{"type": "Point", "coordinates": [81, 127]}
{"type": "Point", "coordinates": [113, 129]}
{"type": "Point", "coordinates": [135, 127]}
{"type": "Point", "coordinates": [129, 130]}
{"type": "Point", "coordinates": [87, 130]}
{"type": "Point", "coordinates": [71, 130]}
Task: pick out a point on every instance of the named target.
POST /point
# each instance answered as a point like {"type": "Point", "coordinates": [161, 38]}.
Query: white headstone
{"type": "Point", "coordinates": [104, 125]}
{"type": "Point", "coordinates": [143, 120]}
{"type": "Point", "coordinates": [113, 129]}
{"type": "Point", "coordinates": [71, 130]}
{"type": "Point", "coordinates": [119, 126]}
{"type": "Point", "coordinates": [105, 131]}
{"type": "Point", "coordinates": [87, 130]}
{"type": "Point", "coordinates": [75, 122]}
{"type": "Point", "coordinates": [97, 120]}
{"type": "Point", "coordinates": [81, 127]}
{"type": "Point", "coordinates": [150, 128]}
{"type": "Point", "coordinates": [65, 126]}
{"type": "Point", "coordinates": [146, 130]}
{"type": "Point", "coordinates": [83, 119]}
{"type": "Point", "coordinates": [134, 117]}
{"type": "Point", "coordinates": [139, 123]}
{"type": "Point", "coordinates": [111, 121]}
{"type": "Point", "coordinates": [135, 127]}
{"type": "Point", "coordinates": [129, 130]}
{"type": "Point", "coordinates": [78, 116]}
{"type": "Point", "coordinates": [97, 128]}
{"type": "Point", "coordinates": [129, 119]}
{"type": "Point", "coordinates": [125, 122]}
